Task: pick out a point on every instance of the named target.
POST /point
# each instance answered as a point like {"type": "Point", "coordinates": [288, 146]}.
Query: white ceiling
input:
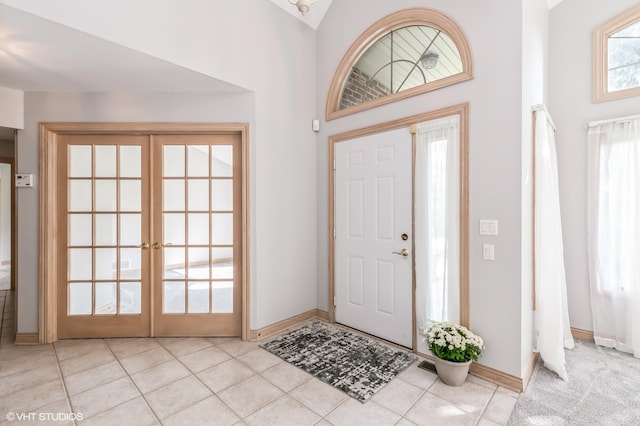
{"type": "Point", "coordinates": [319, 9]}
{"type": "Point", "coordinates": [313, 17]}
{"type": "Point", "coordinates": [40, 55]}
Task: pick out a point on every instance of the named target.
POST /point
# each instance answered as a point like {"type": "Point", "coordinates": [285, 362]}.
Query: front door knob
{"type": "Point", "coordinates": [403, 252]}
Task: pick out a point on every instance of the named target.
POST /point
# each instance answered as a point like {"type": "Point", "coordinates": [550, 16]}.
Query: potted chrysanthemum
{"type": "Point", "coordinates": [454, 347]}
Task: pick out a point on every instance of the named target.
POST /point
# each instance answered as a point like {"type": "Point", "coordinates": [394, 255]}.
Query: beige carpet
{"type": "Point", "coordinates": [603, 389]}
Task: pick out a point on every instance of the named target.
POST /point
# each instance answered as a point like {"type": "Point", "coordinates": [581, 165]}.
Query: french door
{"type": "Point", "coordinates": [149, 235]}
{"type": "Point", "coordinates": [196, 229]}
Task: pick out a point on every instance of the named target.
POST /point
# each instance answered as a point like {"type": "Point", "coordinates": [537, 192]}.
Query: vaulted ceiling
{"type": "Point", "coordinates": [315, 15]}
{"type": "Point", "coordinates": [40, 55]}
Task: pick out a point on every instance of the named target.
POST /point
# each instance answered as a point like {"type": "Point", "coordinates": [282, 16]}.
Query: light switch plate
{"type": "Point", "coordinates": [488, 227]}
{"type": "Point", "coordinates": [488, 252]}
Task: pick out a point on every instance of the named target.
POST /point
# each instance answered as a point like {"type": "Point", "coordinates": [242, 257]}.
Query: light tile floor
{"type": "Point", "coordinates": [197, 381]}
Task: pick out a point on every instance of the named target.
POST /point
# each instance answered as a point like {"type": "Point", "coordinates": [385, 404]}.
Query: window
{"type": "Point", "coordinates": [614, 232]}
{"type": "Point", "coordinates": [616, 70]}
{"type": "Point", "coordinates": [436, 220]}
{"type": "Point", "coordinates": [404, 54]}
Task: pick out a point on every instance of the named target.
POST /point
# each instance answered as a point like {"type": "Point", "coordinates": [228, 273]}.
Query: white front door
{"type": "Point", "coordinates": [373, 235]}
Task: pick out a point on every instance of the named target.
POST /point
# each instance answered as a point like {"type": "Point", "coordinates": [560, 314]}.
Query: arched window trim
{"type": "Point", "coordinates": [402, 18]}
{"type": "Point", "coordinates": [601, 35]}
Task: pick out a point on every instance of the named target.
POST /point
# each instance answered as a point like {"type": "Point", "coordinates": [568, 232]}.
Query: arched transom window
{"type": "Point", "coordinates": [404, 54]}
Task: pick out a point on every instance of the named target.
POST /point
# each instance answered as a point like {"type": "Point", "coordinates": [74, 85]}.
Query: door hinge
{"type": "Point", "coordinates": [334, 164]}
{"type": "Point", "coordinates": [335, 302]}
{"type": "Point", "coordinates": [334, 233]}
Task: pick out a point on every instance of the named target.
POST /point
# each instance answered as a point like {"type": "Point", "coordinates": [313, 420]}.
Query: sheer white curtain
{"type": "Point", "coordinates": [553, 332]}
{"type": "Point", "coordinates": [614, 233]}
{"type": "Point", "coordinates": [437, 220]}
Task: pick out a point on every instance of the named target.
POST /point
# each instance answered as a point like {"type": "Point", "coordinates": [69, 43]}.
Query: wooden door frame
{"type": "Point", "coordinates": [48, 258]}
{"type": "Point", "coordinates": [11, 162]}
{"type": "Point", "coordinates": [463, 111]}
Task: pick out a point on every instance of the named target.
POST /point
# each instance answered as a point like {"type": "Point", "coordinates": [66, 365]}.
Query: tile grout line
{"type": "Point", "coordinates": [133, 381]}
{"type": "Point", "coordinates": [174, 358]}
{"type": "Point", "coordinates": [62, 379]}
{"type": "Point", "coordinates": [106, 383]}
{"type": "Point", "coordinates": [140, 353]}
{"type": "Point", "coordinates": [484, 409]}
{"type": "Point", "coordinates": [84, 370]}
{"type": "Point", "coordinates": [222, 390]}
{"type": "Point", "coordinates": [4, 302]}
{"type": "Point", "coordinates": [422, 394]}
{"type": "Point", "coordinates": [243, 380]}
{"type": "Point", "coordinates": [198, 379]}
{"type": "Point", "coordinates": [286, 393]}
{"type": "Point", "coordinates": [322, 417]}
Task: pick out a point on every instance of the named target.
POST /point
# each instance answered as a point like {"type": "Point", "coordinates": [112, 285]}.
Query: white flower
{"type": "Point", "coordinates": [452, 341]}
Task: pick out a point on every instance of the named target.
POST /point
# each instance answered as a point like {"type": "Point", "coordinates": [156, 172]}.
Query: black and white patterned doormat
{"type": "Point", "coordinates": [354, 364]}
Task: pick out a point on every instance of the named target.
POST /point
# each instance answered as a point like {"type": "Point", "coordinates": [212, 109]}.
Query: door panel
{"type": "Point", "coordinates": [197, 229]}
{"type": "Point", "coordinates": [374, 286]}
{"type": "Point", "coordinates": [104, 276]}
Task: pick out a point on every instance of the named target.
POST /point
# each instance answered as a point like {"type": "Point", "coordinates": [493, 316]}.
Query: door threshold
{"type": "Point", "coordinates": [374, 337]}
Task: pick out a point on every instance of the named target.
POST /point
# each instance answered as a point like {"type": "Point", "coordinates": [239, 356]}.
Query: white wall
{"type": "Point", "coordinates": [570, 78]}
{"type": "Point", "coordinates": [535, 21]}
{"type": "Point", "coordinates": [11, 108]}
{"type": "Point", "coordinates": [260, 48]}
{"type": "Point", "coordinates": [493, 29]}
